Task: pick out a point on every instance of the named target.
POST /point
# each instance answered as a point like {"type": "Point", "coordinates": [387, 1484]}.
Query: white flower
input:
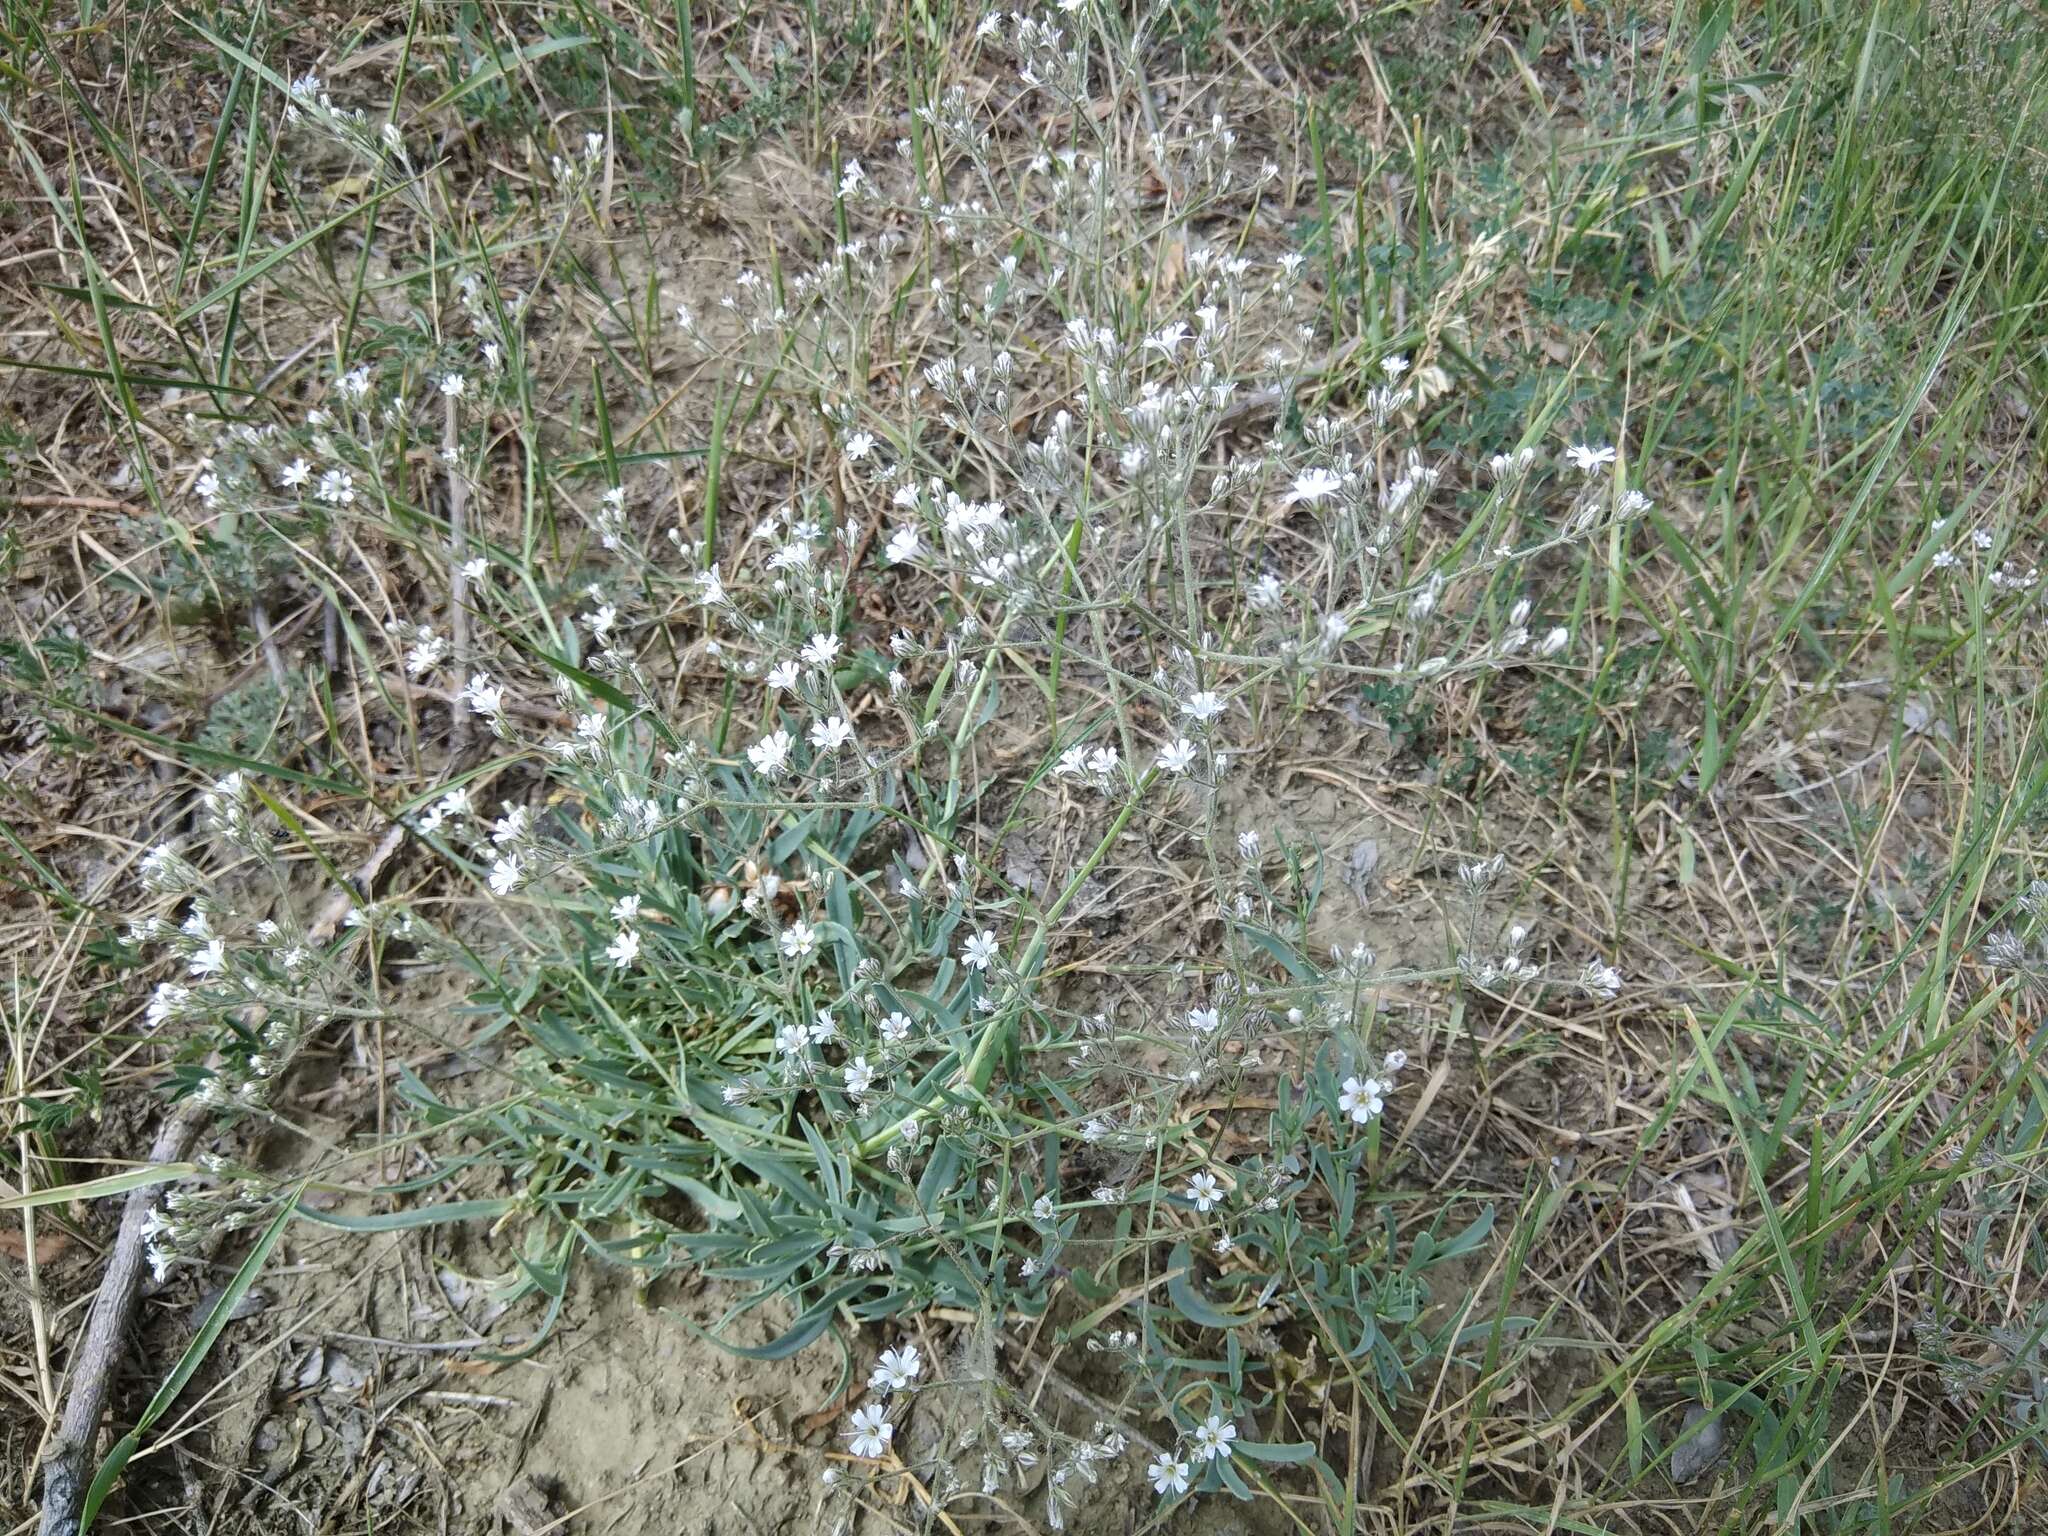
{"type": "Point", "coordinates": [624, 949]}
{"type": "Point", "coordinates": [477, 569]}
{"type": "Point", "coordinates": [782, 676]}
{"type": "Point", "coordinates": [860, 445]}
{"type": "Point", "coordinates": [1167, 338]}
{"type": "Point", "coordinates": [337, 488]}
{"type": "Point", "coordinates": [770, 755]}
{"type": "Point", "coordinates": [1314, 486]}
{"type": "Point", "coordinates": [1168, 1475]}
{"type": "Point", "coordinates": [1554, 642]}
{"type": "Point", "coordinates": [792, 1040]}
{"type": "Point", "coordinates": [1394, 1062]}
{"type": "Point", "coordinates": [831, 733]}
{"type": "Point", "coordinates": [1178, 758]}
{"type": "Point", "coordinates": [1202, 1190]}
{"type": "Point", "coordinates": [626, 909]}
{"type": "Point", "coordinates": [1204, 1021]}
{"type": "Point", "coordinates": [819, 651]}
{"type": "Point", "coordinates": [897, 1369]}
{"type": "Point", "coordinates": [860, 1077]}
{"type": "Point", "coordinates": [1394, 366]}
{"type": "Point", "coordinates": [1213, 1437]}
{"type": "Point", "coordinates": [905, 545]}
{"type": "Point", "coordinates": [505, 875]}
{"type": "Point", "coordinates": [896, 1028]}
{"type": "Point", "coordinates": [482, 696]}
{"type": "Point", "coordinates": [980, 952]}
{"type": "Point", "coordinates": [210, 959]}
{"type": "Point", "coordinates": [1588, 457]}
{"type": "Point", "coordinates": [799, 939]}
{"type": "Point", "coordinates": [868, 1432]}
{"type": "Point", "coordinates": [294, 474]}
{"type": "Point", "coordinates": [1203, 706]}
{"type": "Point", "coordinates": [1361, 1099]}
{"type": "Point", "coordinates": [355, 383]}
{"type": "Point", "coordinates": [453, 384]}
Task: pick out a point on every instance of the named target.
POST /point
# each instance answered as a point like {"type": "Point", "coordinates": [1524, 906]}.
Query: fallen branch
{"type": "Point", "coordinates": [65, 1463]}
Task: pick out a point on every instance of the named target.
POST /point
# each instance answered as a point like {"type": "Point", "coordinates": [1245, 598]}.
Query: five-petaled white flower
{"type": "Point", "coordinates": [770, 755]}
{"type": "Point", "coordinates": [1203, 1191]}
{"type": "Point", "coordinates": [1204, 706]}
{"type": "Point", "coordinates": [831, 733]}
{"type": "Point", "coordinates": [1168, 1474]}
{"type": "Point", "coordinates": [1178, 758]}
{"type": "Point", "coordinates": [869, 1432]}
{"type": "Point", "coordinates": [896, 1028]}
{"type": "Point", "coordinates": [799, 939]}
{"type": "Point", "coordinates": [897, 1369]}
{"type": "Point", "coordinates": [1361, 1098]}
{"type": "Point", "coordinates": [1588, 457]}
{"type": "Point", "coordinates": [624, 949]}
{"type": "Point", "coordinates": [819, 650]}
{"type": "Point", "coordinates": [860, 1077]}
{"type": "Point", "coordinates": [1213, 1437]}
{"type": "Point", "coordinates": [980, 952]}
{"type": "Point", "coordinates": [1314, 486]}
{"type": "Point", "coordinates": [860, 445]}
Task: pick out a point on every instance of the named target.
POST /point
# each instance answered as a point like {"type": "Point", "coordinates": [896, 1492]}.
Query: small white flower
{"type": "Point", "coordinates": [624, 949]}
{"type": "Point", "coordinates": [904, 546]}
{"type": "Point", "coordinates": [337, 488]}
{"type": "Point", "coordinates": [1213, 1437]}
{"type": "Point", "coordinates": [505, 875]}
{"type": "Point", "coordinates": [453, 384]}
{"type": "Point", "coordinates": [798, 940]}
{"type": "Point", "coordinates": [1204, 706]}
{"type": "Point", "coordinates": [980, 952]}
{"type": "Point", "coordinates": [782, 676]}
{"type": "Point", "coordinates": [1178, 758]}
{"type": "Point", "coordinates": [770, 755]}
{"type": "Point", "coordinates": [1361, 1099]}
{"type": "Point", "coordinates": [859, 446]}
{"type": "Point", "coordinates": [860, 1077]}
{"type": "Point", "coordinates": [294, 474]}
{"type": "Point", "coordinates": [820, 650]}
{"type": "Point", "coordinates": [869, 1432]}
{"type": "Point", "coordinates": [792, 1040]}
{"type": "Point", "coordinates": [1168, 1475]}
{"type": "Point", "coordinates": [831, 733]}
{"type": "Point", "coordinates": [1314, 486]}
{"type": "Point", "coordinates": [210, 959]}
{"type": "Point", "coordinates": [476, 569]}
{"type": "Point", "coordinates": [897, 1369]}
{"type": "Point", "coordinates": [896, 1028]}
{"type": "Point", "coordinates": [1204, 1021]}
{"type": "Point", "coordinates": [1203, 1191]}
{"type": "Point", "coordinates": [483, 697]}
{"type": "Point", "coordinates": [1587, 458]}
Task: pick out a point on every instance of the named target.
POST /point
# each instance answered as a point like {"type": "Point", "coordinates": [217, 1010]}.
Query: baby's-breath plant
{"type": "Point", "coordinates": [1080, 504]}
